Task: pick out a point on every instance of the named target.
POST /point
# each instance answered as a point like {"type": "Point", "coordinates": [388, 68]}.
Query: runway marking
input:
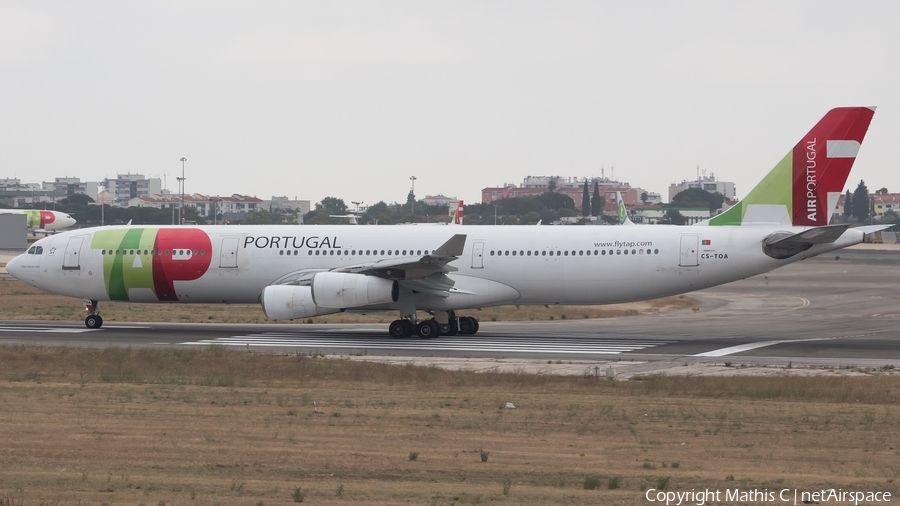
{"type": "Point", "coordinates": [804, 303]}
{"type": "Point", "coordinates": [47, 330]}
{"type": "Point", "coordinates": [721, 352]}
{"type": "Point", "coordinates": [444, 343]}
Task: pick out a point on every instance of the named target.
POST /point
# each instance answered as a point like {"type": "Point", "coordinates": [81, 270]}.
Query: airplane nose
{"type": "Point", "coordinates": [12, 267]}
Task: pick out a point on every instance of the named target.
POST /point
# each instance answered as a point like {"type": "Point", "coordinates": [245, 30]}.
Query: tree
{"type": "Point", "coordinates": [861, 201]}
{"type": "Point", "coordinates": [645, 197]}
{"type": "Point", "coordinates": [260, 217]}
{"type": "Point", "coordinates": [674, 217]}
{"type": "Point", "coordinates": [552, 184]}
{"type": "Point", "coordinates": [585, 201]}
{"type": "Point", "coordinates": [332, 205]}
{"type": "Point", "coordinates": [848, 205]}
{"type": "Point", "coordinates": [698, 197]}
{"type": "Point", "coordinates": [597, 202]}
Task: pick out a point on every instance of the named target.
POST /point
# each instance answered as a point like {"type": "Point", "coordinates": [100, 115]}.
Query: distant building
{"type": "Point", "coordinates": [704, 182]}
{"type": "Point", "coordinates": [65, 186]}
{"type": "Point", "coordinates": [653, 215]}
{"type": "Point", "coordinates": [440, 200]}
{"type": "Point", "coordinates": [233, 207]}
{"type": "Point", "coordinates": [571, 186]}
{"type": "Point", "coordinates": [286, 204]}
{"type": "Point", "coordinates": [129, 186]}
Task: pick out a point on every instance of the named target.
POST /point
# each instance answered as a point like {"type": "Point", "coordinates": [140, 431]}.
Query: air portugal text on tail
{"type": "Point", "coordinates": [432, 275]}
{"type": "Point", "coordinates": [803, 189]}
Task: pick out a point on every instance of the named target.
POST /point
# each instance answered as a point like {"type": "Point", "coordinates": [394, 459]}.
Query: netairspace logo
{"type": "Point", "coordinates": [766, 496]}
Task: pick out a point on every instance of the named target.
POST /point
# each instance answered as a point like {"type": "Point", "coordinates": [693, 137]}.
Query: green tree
{"type": "Point", "coordinates": [555, 201]}
{"type": "Point", "coordinates": [597, 202]}
{"type": "Point", "coordinates": [552, 185]}
{"type": "Point", "coordinates": [585, 201]}
{"type": "Point", "coordinates": [673, 217]}
{"type": "Point", "coordinates": [848, 205]}
{"type": "Point", "coordinates": [645, 197]}
{"type": "Point", "coordinates": [332, 205]}
{"type": "Point", "coordinates": [698, 197]}
{"type": "Point", "coordinates": [861, 202]}
{"type": "Point", "coordinates": [260, 217]}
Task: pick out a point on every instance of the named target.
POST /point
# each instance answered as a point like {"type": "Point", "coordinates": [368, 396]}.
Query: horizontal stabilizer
{"type": "Point", "coordinates": [784, 245]}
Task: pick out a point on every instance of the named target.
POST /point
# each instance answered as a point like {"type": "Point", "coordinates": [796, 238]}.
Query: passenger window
{"type": "Point", "coordinates": [382, 252]}
{"type": "Point", "coordinates": [310, 252]}
{"type": "Point", "coordinates": [596, 253]}
{"type": "Point", "coordinates": [618, 252]}
{"type": "Point", "coordinates": [529, 253]}
{"type": "Point", "coordinates": [567, 252]}
{"type": "Point", "coordinates": [603, 252]}
{"type": "Point", "coordinates": [281, 252]}
{"type": "Point", "coordinates": [103, 252]}
{"type": "Point", "coordinates": [418, 252]}
{"type": "Point", "coordinates": [514, 252]}
{"type": "Point", "coordinates": [332, 253]}
{"type": "Point", "coordinates": [492, 252]}
{"type": "Point", "coordinates": [580, 253]}
{"type": "Point", "coordinates": [317, 252]}
{"type": "Point", "coordinates": [543, 253]}
{"type": "Point", "coordinates": [626, 252]}
{"type": "Point", "coordinates": [656, 252]}
{"type": "Point", "coordinates": [633, 252]}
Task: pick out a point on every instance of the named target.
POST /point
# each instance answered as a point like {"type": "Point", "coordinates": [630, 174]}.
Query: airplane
{"type": "Point", "coordinates": [430, 275]}
{"type": "Point", "coordinates": [623, 213]}
{"type": "Point", "coordinates": [456, 215]}
{"type": "Point", "coordinates": [42, 221]}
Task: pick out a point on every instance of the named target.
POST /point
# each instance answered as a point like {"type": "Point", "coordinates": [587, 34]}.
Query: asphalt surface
{"type": "Point", "coordinates": [824, 311]}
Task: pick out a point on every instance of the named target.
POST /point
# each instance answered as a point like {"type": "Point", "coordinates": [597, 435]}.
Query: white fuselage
{"type": "Point", "coordinates": [499, 264]}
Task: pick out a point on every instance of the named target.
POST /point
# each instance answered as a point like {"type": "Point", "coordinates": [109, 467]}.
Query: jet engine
{"type": "Point", "coordinates": [343, 290]}
{"type": "Point", "coordinates": [288, 302]}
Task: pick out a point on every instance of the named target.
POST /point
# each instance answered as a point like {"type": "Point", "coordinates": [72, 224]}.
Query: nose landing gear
{"type": "Point", "coordinates": [93, 319]}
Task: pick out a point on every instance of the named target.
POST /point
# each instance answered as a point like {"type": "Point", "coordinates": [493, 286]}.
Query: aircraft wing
{"type": "Point", "coordinates": [422, 273]}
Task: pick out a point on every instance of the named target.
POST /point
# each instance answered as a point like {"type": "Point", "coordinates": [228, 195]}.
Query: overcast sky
{"type": "Point", "coordinates": [350, 99]}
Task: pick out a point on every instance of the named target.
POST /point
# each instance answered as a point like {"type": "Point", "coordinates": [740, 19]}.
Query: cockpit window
{"type": "Point", "coordinates": [38, 250]}
{"type": "Point", "coordinates": [31, 250]}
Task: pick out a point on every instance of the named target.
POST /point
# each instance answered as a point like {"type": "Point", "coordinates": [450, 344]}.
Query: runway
{"type": "Point", "coordinates": [816, 312]}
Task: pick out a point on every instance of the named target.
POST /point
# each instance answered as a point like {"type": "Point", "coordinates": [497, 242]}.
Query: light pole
{"type": "Point", "coordinates": [181, 181]}
{"type": "Point", "coordinates": [413, 192]}
{"type": "Point", "coordinates": [357, 205]}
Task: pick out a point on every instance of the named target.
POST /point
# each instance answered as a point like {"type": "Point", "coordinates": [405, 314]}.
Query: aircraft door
{"type": "Point", "coordinates": [228, 253]}
{"type": "Point", "coordinates": [72, 262]}
{"type": "Point", "coordinates": [478, 255]}
{"type": "Point", "coordinates": [689, 246]}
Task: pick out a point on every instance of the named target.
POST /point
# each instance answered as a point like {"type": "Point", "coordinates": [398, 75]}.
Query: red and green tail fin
{"type": "Point", "coordinates": [803, 189]}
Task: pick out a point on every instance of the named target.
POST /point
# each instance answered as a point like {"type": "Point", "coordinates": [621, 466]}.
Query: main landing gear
{"type": "Point", "coordinates": [93, 319]}
{"type": "Point", "coordinates": [431, 328]}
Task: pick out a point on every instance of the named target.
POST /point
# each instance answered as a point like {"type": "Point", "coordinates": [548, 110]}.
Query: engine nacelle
{"type": "Point", "coordinates": [343, 290]}
{"type": "Point", "coordinates": [288, 302]}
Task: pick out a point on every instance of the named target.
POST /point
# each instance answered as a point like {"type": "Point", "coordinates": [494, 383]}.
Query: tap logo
{"type": "Point", "coordinates": [151, 258]}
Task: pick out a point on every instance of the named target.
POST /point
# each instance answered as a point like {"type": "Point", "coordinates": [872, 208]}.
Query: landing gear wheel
{"type": "Point", "coordinates": [93, 321]}
{"type": "Point", "coordinates": [400, 329]}
{"type": "Point", "coordinates": [444, 329]}
{"type": "Point", "coordinates": [468, 325]}
{"type": "Point", "coordinates": [427, 329]}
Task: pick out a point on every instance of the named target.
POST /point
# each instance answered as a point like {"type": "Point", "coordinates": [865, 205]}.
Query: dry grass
{"type": "Point", "coordinates": [24, 302]}
{"type": "Point", "coordinates": [212, 426]}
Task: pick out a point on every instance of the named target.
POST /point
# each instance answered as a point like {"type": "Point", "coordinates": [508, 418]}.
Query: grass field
{"type": "Point", "coordinates": [212, 426]}
{"type": "Point", "coordinates": [24, 302]}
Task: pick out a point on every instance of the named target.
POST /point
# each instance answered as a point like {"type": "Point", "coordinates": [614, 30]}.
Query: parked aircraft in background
{"type": "Point", "coordinates": [429, 275]}
{"type": "Point", "coordinates": [40, 221]}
